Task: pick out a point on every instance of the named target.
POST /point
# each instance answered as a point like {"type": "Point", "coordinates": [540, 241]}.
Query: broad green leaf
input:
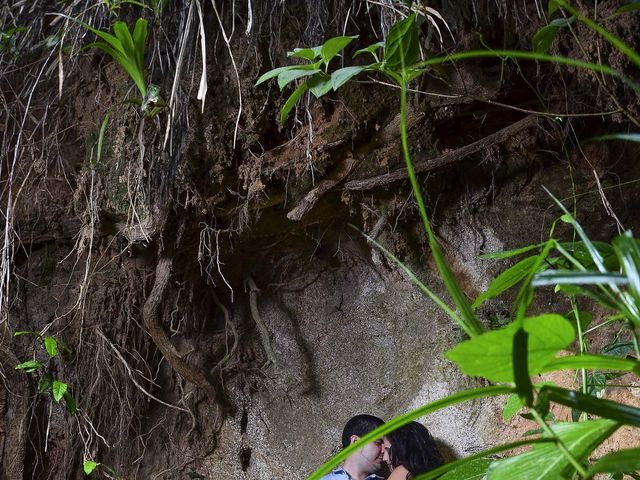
{"type": "Point", "coordinates": [510, 253]}
{"type": "Point", "coordinates": [569, 277]}
{"type": "Point", "coordinates": [58, 388]}
{"type": "Point", "coordinates": [343, 75]}
{"type": "Point", "coordinates": [597, 406]}
{"type": "Point", "coordinates": [89, 466]}
{"type": "Point", "coordinates": [617, 349]}
{"type": "Point", "coordinates": [473, 470]}
{"type": "Point", "coordinates": [333, 46]}
{"type": "Point", "coordinates": [543, 38]}
{"type": "Point", "coordinates": [627, 137]}
{"type": "Point", "coordinates": [490, 355]}
{"type": "Point", "coordinates": [70, 403]}
{"type": "Point", "coordinates": [506, 280]}
{"type": "Point", "coordinates": [122, 33]}
{"type": "Point", "coordinates": [45, 383]}
{"type": "Point", "coordinates": [397, 422]}
{"type": "Point", "coordinates": [289, 76]}
{"type": "Point", "coordinates": [545, 461]}
{"type": "Point", "coordinates": [291, 102]}
{"type": "Point", "coordinates": [513, 405]}
{"type": "Point", "coordinates": [29, 366]}
{"type": "Point", "coordinates": [622, 461]}
{"type": "Point", "coordinates": [552, 7]}
{"type": "Point", "coordinates": [307, 53]}
{"type": "Point", "coordinates": [274, 73]}
{"type": "Point", "coordinates": [372, 49]}
{"type": "Point", "coordinates": [475, 466]}
{"type": "Point", "coordinates": [319, 84]}
{"type": "Point", "coordinates": [51, 345]}
{"type": "Point", "coordinates": [592, 362]}
{"type": "Point", "coordinates": [401, 45]}
{"type": "Point", "coordinates": [140, 32]}
{"type": "Point", "coordinates": [114, 42]}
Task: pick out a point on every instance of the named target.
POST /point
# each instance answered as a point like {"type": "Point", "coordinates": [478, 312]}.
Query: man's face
{"type": "Point", "coordinates": [370, 456]}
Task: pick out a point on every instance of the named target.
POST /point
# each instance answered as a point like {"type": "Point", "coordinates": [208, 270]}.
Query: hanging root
{"type": "Point", "coordinates": [265, 336]}
{"type": "Point", "coordinates": [160, 338]}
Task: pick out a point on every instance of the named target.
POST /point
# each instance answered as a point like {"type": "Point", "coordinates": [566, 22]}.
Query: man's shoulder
{"type": "Point", "coordinates": [337, 474]}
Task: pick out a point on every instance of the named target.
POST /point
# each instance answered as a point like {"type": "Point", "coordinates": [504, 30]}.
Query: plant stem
{"type": "Point", "coordinates": [561, 446]}
{"type": "Point", "coordinates": [470, 323]}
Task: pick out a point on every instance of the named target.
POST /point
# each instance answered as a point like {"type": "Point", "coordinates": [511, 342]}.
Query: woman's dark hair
{"type": "Point", "coordinates": [359, 425]}
{"type": "Point", "coordinates": [413, 447]}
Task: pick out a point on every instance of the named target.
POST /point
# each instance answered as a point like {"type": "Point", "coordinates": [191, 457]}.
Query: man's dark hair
{"type": "Point", "coordinates": [413, 447]}
{"type": "Point", "coordinates": [359, 425]}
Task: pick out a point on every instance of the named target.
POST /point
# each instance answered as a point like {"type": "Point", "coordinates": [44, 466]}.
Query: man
{"type": "Point", "coordinates": [364, 462]}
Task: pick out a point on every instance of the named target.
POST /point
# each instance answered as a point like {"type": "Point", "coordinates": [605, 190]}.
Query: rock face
{"type": "Point", "coordinates": [222, 316]}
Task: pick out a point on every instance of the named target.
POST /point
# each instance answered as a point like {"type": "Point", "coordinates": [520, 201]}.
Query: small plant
{"type": "Point", "coordinates": [8, 40]}
{"type": "Point", "coordinates": [47, 383]}
{"type": "Point", "coordinates": [128, 50]}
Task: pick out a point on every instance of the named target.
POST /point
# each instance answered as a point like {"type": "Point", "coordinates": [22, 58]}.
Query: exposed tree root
{"type": "Point", "coordinates": [422, 166]}
{"type": "Point", "coordinates": [265, 336]}
{"type": "Point", "coordinates": [160, 338]}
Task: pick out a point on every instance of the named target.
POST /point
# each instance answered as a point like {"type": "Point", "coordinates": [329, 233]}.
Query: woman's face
{"type": "Point", "coordinates": [387, 453]}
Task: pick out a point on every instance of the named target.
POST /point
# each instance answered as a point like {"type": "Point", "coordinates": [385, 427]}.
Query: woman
{"type": "Point", "coordinates": [411, 451]}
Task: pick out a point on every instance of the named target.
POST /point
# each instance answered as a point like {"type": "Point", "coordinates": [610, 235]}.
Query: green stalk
{"type": "Point", "coordinates": [470, 323]}
{"type": "Point", "coordinates": [583, 371]}
{"type": "Point", "coordinates": [561, 446]}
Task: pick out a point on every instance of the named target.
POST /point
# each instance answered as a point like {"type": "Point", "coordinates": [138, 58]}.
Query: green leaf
{"type": "Point", "coordinates": [592, 362]}
{"type": "Point", "coordinates": [59, 389]}
{"type": "Point", "coordinates": [622, 461]}
{"type": "Point", "coordinates": [632, 7]}
{"type": "Point", "coordinates": [513, 405]}
{"type": "Point", "coordinates": [70, 403]}
{"type": "Point", "coordinates": [617, 349]}
{"type": "Point", "coordinates": [543, 38]}
{"type": "Point", "coordinates": [51, 345]}
{"type": "Point", "coordinates": [289, 76]}
{"type": "Point", "coordinates": [553, 7]}
{"type": "Point", "coordinates": [628, 254]}
{"type": "Point", "coordinates": [474, 470]}
{"type": "Point", "coordinates": [569, 277]}
{"type": "Point", "coordinates": [627, 137]}
{"type": "Point", "coordinates": [343, 75]}
{"type": "Point", "coordinates": [274, 73]}
{"type": "Point", "coordinates": [585, 318]}
{"type": "Point", "coordinates": [397, 422]}
{"type": "Point", "coordinates": [291, 102]}
{"type": "Point", "coordinates": [587, 403]}
{"type": "Point", "coordinates": [333, 46]}
{"type": "Point", "coordinates": [319, 84]}
{"type": "Point", "coordinates": [29, 366]}
{"type": "Point", "coordinates": [45, 383]}
{"type": "Point", "coordinates": [544, 461]}
{"type": "Point", "coordinates": [401, 45]}
{"type": "Point", "coordinates": [490, 355]}
{"type": "Point", "coordinates": [520, 360]}
{"type": "Point", "coordinates": [372, 49]}
{"type": "Point", "coordinates": [140, 32]}
{"type": "Point", "coordinates": [510, 253]}
{"type": "Point", "coordinates": [506, 280]}
{"type": "Point", "coordinates": [89, 466]}
{"type": "Point", "coordinates": [25, 332]}
{"type": "Point", "coordinates": [307, 53]}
